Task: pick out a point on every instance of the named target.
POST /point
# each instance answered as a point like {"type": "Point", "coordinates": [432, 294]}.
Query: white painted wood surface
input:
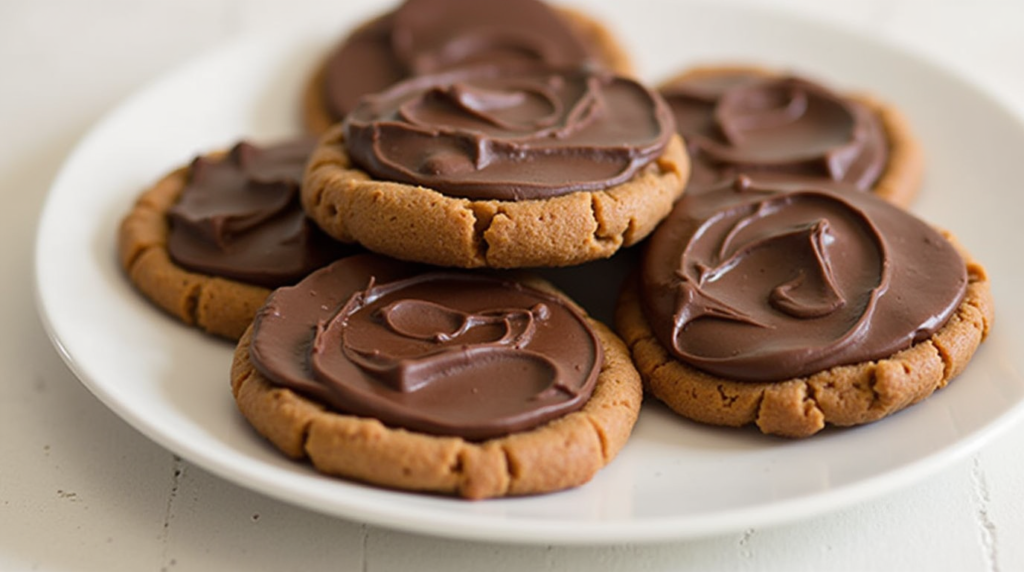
{"type": "Point", "coordinates": [81, 490]}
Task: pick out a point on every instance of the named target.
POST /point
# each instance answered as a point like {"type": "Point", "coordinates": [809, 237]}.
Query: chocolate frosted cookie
{"type": "Point", "coordinates": [422, 37]}
{"type": "Point", "coordinates": [793, 305]}
{"type": "Point", "coordinates": [209, 241]}
{"type": "Point", "coordinates": [415, 378]}
{"type": "Point", "coordinates": [500, 167]}
{"type": "Point", "coordinates": [749, 120]}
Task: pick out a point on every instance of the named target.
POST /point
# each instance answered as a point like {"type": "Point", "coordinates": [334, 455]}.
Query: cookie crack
{"type": "Point", "coordinates": [783, 415]}
{"type": "Point", "coordinates": [602, 438]}
{"type": "Point", "coordinates": [482, 221]}
{"type": "Point", "coordinates": [758, 404]}
{"type": "Point", "coordinates": [601, 234]}
{"type": "Point", "coordinates": [190, 304]}
{"type": "Point", "coordinates": [810, 404]}
{"type": "Point", "coordinates": [304, 437]}
{"type": "Point", "coordinates": [948, 362]}
{"type": "Point", "coordinates": [727, 400]}
{"type": "Point", "coordinates": [458, 465]}
{"type": "Point", "coordinates": [985, 319]}
{"type": "Point", "coordinates": [876, 396]}
{"type": "Point", "coordinates": [629, 235]}
{"type": "Point", "coordinates": [512, 469]}
{"type": "Point", "coordinates": [984, 314]}
{"type": "Point", "coordinates": [236, 384]}
{"type": "Point", "coordinates": [811, 399]}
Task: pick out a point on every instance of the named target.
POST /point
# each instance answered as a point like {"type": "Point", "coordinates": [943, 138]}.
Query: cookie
{"type": "Point", "coordinates": [751, 120]}
{"type": "Point", "coordinates": [792, 307]}
{"type": "Point", "coordinates": [209, 241]}
{"type": "Point", "coordinates": [448, 382]}
{"type": "Point", "coordinates": [499, 167]}
{"type": "Point", "coordinates": [427, 36]}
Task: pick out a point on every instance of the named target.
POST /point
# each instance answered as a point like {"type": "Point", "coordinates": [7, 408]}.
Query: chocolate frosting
{"type": "Point", "coordinates": [429, 36]}
{"type": "Point", "coordinates": [509, 133]}
{"type": "Point", "coordinates": [743, 122]}
{"type": "Point", "coordinates": [766, 279]}
{"type": "Point", "coordinates": [239, 217]}
{"type": "Point", "coordinates": [443, 353]}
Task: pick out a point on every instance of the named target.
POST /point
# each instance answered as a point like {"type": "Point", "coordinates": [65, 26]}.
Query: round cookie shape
{"type": "Point", "coordinates": [748, 120]}
{"type": "Point", "coordinates": [208, 241]}
{"type": "Point", "coordinates": [509, 133]}
{"type": "Point", "coordinates": [441, 353]}
{"type": "Point", "coordinates": [239, 217]}
{"type": "Point", "coordinates": [561, 227]}
{"type": "Point", "coordinates": [565, 451]}
{"type": "Point", "coordinates": [429, 36]}
{"type": "Point", "coordinates": [765, 279]}
{"type": "Point", "coordinates": [840, 395]}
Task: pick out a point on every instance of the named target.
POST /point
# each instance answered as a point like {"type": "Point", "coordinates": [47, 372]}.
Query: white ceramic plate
{"type": "Point", "coordinates": [674, 479]}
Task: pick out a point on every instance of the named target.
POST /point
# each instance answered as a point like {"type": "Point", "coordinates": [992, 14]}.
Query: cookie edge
{"type": "Point", "coordinates": [317, 119]}
{"type": "Point", "coordinates": [423, 225]}
{"type": "Point", "coordinates": [563, 453]}
{"type": "Point", "coordinates": [218, 306]}
{"type": "Point", "coordinates": [845, 395]}
{"type": "Point", "coordinates": [901, 180]}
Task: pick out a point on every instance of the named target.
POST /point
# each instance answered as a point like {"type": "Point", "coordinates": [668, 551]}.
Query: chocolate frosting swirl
{"type": "Point", "coordinates": [766, 279]}
{"type": "Point", "coordinates": [743, 122]}
{"type": "Point", "coordinates": [437, 352]}
{"type": "Point", "coordinates": [509, 133]}
{"type": "Point", "coordinates": [239, 217]}
{"type": "Point", "coordinates": [428, 36]}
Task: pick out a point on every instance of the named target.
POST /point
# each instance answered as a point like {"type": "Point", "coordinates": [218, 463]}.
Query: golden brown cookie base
{"type": "Point", "coordinates": [800, 407]}
{"type": "Point", "coordinates": [318, 119]}
{"type": "Point", "coordinates": [901, 179]}
{"type": "Point", "coordinates": [563, 453]}
{"type": "Point", "coordinates": [216, 305]}
{"type": "Point", "coordinates": [423, 225]}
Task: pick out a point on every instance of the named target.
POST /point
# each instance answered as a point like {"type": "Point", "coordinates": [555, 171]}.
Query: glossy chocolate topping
{"type": "Point", "coordinates": [239, 217]}
{"type": "Point", "coordinates": [509, 133]}
{"type": "Point", "coordinates": [764, 279]}
{"type": "Point", "coordinates": [436, 352]}
{"type": "Point", "coordinates": [746, 123]}
{"type": "Point", "coordinates": [429, 36]}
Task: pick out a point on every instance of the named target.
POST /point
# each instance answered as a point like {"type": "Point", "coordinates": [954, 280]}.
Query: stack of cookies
{"type": "Point", "coordinates": [380, 277]}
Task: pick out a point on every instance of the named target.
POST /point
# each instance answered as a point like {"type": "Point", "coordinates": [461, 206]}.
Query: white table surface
{"type": "Point", "coordinates": [81, 490]}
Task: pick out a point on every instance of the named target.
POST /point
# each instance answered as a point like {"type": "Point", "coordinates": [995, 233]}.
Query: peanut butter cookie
{"type": "Point", "coordinates": [208, 242]}
{"type": "Point", "coordinates": [792, 307]}
{"type": "Point", "coordinates": [501, 168]}
{"type": "Point", "coordinates": [454, 383]}
{"type": "Point", "coordinates": [753, 120]}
